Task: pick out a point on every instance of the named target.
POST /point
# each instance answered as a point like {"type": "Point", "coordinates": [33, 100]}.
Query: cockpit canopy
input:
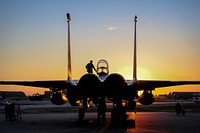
{"type": "Point", "coordinates": [102, 68]}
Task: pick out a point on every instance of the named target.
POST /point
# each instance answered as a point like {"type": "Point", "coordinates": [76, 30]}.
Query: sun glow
{"type": "Point", "coordinates": [126, 72]}
{"type": "Point", "coordinates": [142, 73]}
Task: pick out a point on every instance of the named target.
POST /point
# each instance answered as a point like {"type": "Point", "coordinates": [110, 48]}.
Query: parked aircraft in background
{"type": "Point", "coordinates": [95, 88]}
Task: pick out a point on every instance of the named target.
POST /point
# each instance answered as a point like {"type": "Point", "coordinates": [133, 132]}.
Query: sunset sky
{"type": "Point", "coordinates": [33, 38]}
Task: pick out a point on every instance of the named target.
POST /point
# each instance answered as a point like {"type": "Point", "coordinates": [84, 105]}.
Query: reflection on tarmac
{"type": "Point", "coordinates": [67, 122]}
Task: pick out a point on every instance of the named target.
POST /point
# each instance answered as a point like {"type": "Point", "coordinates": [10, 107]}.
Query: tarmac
{"type": "Point", "coordinates": [144, 122]}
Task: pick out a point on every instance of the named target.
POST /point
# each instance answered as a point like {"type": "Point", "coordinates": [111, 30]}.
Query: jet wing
{"type": "Point", "coordinates": [61, 84]}
{"type": "Point", "coordinates": [152, 84]}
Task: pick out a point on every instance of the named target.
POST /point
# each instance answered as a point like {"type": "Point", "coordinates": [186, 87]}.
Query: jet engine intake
{"type": "Point", "coordinates": [90, 85]}
{"type": "Point", "coordinates": [58, 98]}
{"type": "Point", "coordinates": [146, 98]}
{"type": "Point", "coordinates": [114, 84]}
{"type": "Point", "coordinates": [74, 96]}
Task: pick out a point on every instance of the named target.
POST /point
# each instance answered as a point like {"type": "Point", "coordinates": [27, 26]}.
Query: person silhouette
{"type": "Point", "coordinates": [101, 110]}
{"type": "Point", "coordinates": [90, 67]}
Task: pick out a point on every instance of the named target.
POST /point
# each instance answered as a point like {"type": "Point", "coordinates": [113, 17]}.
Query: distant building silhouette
{"type": "Point", "coordinates": [14, 95]}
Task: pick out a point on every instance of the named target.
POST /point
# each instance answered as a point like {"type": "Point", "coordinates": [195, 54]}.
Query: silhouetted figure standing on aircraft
{"type": "Point", "coordinates": [90, 67]}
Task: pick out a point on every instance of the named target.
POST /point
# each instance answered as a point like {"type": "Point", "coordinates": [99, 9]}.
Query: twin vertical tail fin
{"type": "Point", "coordinates": [135, 53]}
{"type": "Point", "coordinates": [69, 71]}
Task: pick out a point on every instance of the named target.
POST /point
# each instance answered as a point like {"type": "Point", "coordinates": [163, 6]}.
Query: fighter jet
{"type": "Point", "coordinates": [96, 87]}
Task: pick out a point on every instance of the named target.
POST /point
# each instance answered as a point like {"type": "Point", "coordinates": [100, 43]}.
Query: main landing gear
{"type": "Point", "coordinates": [101, 109]}
{"type": "Point", "coordinates": [119, 115]}
{"type": "Point", "coordinates": [82, 110]}
{"type": "Point", "coordinates": [81, 114]}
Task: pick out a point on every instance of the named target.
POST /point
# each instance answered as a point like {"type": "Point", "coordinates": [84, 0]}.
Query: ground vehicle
{"type": "Point", "coordinates": [196, 97]}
